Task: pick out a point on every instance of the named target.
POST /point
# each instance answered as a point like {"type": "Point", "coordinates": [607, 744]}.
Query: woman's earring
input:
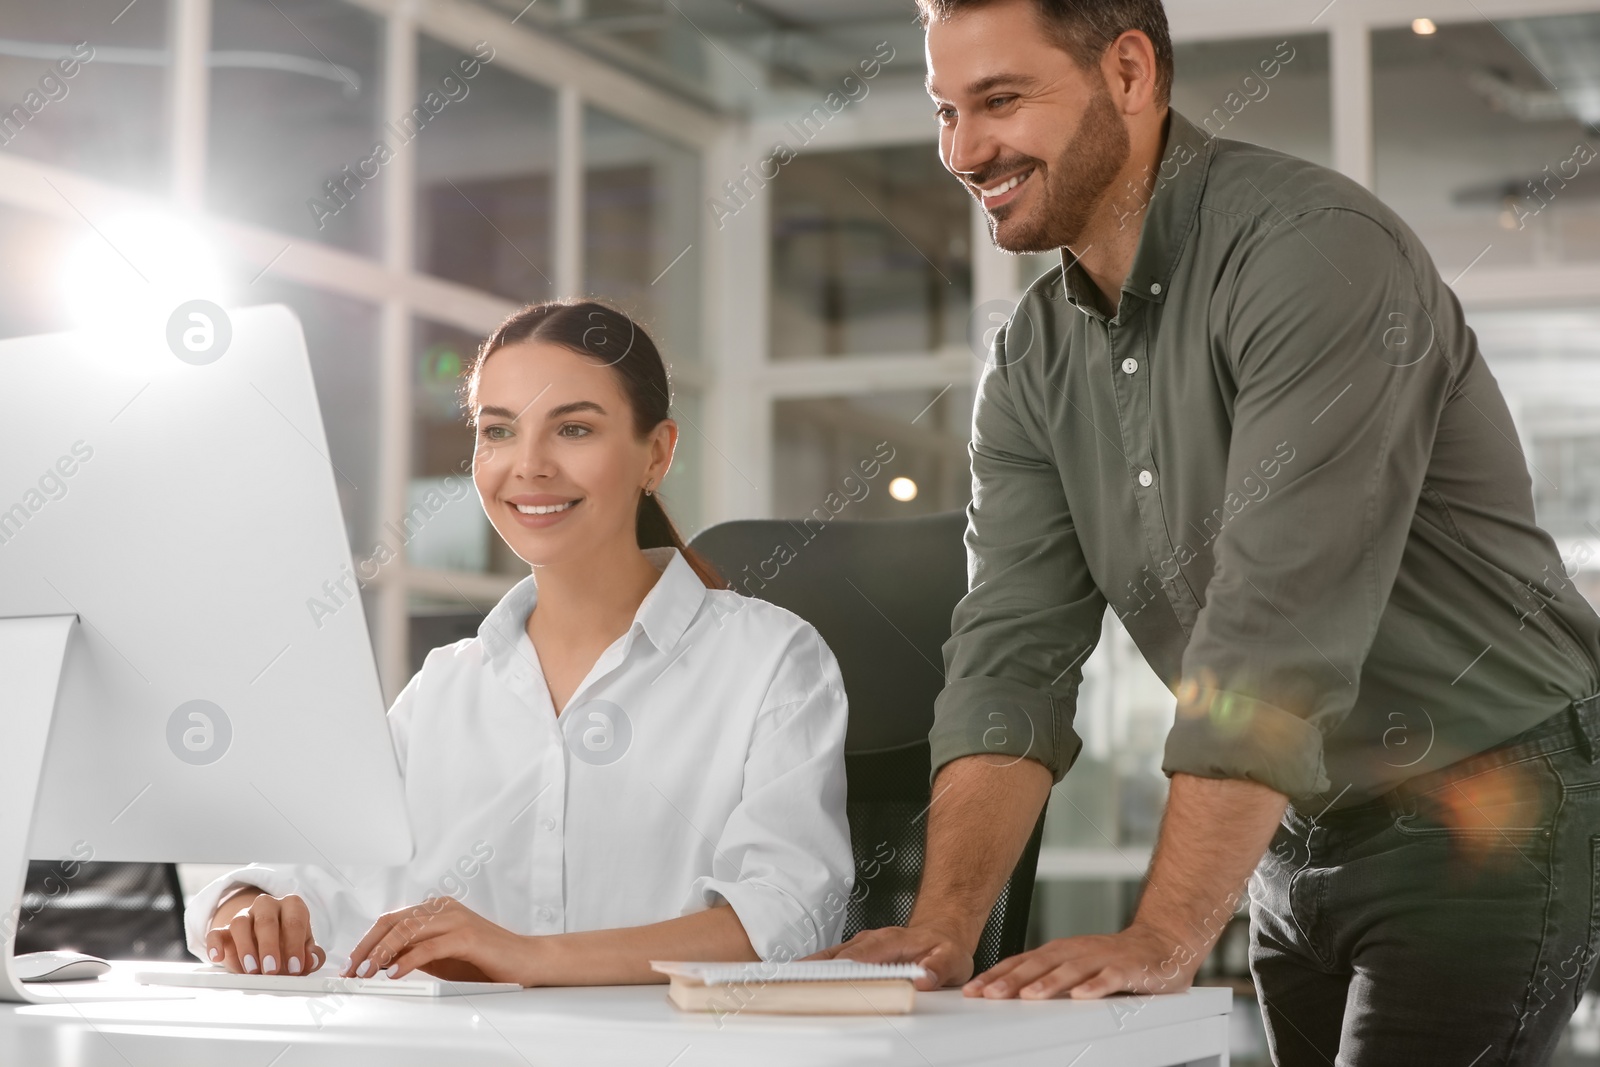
{"type": "Point", "coordinates": [647, 490]}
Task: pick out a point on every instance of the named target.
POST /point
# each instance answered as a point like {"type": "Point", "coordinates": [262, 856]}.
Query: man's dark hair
{"type": "Point", "coordinates": [1084, 29]}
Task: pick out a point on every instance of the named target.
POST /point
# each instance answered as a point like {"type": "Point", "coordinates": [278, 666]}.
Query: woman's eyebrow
{"type": "Point", "coordinates": [575, 406]}
{"type": "Point", "coordinates": [553, 413]}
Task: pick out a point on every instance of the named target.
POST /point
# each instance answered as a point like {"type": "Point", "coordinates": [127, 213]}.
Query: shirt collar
{"type": "Point", "coordinates": [671, 604]}
{"type": "Point", "coordinates": [663, 615]}
{"type": "Point", "coordinates": [1169, 217]}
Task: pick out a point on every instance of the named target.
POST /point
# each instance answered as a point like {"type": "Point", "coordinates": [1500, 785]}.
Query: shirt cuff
{"type": "Point", "coordinates": [997, 716]}
{"type": "Point", "coordinates": [197, 911]}
{"type": "Point", "coordinates": [1219, 734]}
{"type": "Point", "coordinates": [778, 926]}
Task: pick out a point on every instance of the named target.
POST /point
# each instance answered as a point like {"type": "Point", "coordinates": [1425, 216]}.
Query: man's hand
{"type": "Point", "coordinates": [1213, 834]}
{"type": "Point", "coordinates": [1137, 960]}
{"type": "Point", "coordinates": [937, 948]}
{"type": "Point", "coordinates": [983, 810]}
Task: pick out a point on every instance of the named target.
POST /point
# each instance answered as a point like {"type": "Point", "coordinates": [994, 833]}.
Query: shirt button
{"type": "Point", "coordinates": [545, 914]}
{"type": "Point", "coordinates": [549, 824]}
{"type": "Point", "coordinates": [1130, 365]}
{"type": "Point", "coordinates": [1155, 288]}
{"type": "Point", "coordinates": [1146, 479]}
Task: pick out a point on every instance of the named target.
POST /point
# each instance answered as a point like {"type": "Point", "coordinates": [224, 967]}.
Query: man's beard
{"type": "Point", "coordinates": [1072, 186]}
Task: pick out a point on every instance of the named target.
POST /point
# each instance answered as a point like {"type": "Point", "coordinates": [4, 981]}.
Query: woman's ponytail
{"type": "Point", "coordinates": [656, 530]}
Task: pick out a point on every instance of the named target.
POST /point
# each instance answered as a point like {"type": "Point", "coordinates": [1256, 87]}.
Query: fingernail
{"type": "Point", "coordinates": [249, 963]}
{"type": "Point", "coordinates": [361, 971]}
{"type": "Point", "coordinates": [394, 969]}
{"type": "Point", "coordinates": [294, 964]}
{"type": "Point", "coordinates": [215, 954]}
{"type": "Point", "coordinates": [268, 963]}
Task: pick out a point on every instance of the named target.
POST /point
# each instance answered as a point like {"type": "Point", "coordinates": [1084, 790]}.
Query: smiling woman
{"type": "Point", "coordinates": [589, 346]}
{"type": "Point", "coordinates": [622, 724]}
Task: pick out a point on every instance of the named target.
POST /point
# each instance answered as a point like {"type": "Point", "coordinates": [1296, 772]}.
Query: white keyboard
{"type": "Point", "coordinates": [415, 984]}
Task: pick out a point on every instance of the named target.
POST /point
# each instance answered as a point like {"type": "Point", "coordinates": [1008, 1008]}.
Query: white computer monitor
{"type": "Point", "coordinates": [173, 686]}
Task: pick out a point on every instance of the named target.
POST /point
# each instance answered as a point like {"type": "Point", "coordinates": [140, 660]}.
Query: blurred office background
{"type": "Point", "coordinates": [811, 307]}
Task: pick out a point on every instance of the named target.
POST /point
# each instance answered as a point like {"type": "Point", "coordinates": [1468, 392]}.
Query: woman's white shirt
{"type": "Point", "coordinates": [701, 758]}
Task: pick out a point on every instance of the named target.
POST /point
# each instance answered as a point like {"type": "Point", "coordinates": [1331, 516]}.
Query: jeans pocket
{"type": "Point", "coordinates": [1509, 804]}
{"type": "Point", "coordinates": [1589, 955]}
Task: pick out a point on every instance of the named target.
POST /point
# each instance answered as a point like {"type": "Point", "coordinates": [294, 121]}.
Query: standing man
{"type": "Point", "coordinates": [1248, 415]}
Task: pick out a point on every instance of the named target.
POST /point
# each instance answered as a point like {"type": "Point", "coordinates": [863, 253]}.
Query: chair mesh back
{"type": "Point", "coordinates": [881, 595]}
{"type": "Point", "coordinates": [888, 812]}
{"type": "Point", "coordinates": [127, 911]}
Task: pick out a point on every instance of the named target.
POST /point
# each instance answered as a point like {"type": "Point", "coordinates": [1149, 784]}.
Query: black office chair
{"type": "Point", "coordinates": [126, 911]}
{"type": "Point", "coordinates": [881, 594]}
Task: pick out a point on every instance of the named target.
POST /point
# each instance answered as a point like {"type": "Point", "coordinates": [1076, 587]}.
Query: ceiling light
{"type": "Point", "coordinates": [1424, 27]}
{"type": "Point", "coordinates": [903, 489]}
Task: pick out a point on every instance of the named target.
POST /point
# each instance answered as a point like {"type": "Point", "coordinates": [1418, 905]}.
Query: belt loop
{"type": "Point", "coordinates": [1586, 725]}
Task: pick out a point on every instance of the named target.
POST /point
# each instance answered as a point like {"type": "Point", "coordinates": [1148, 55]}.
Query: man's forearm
{"type": "Point", "coordinates": [984, 807]}
{"type": "Point", "coordinates": [1213, 834]}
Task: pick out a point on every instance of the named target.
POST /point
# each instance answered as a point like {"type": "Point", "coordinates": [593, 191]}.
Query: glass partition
{"type": "Point", "coordinates": [872, 455]}
{"type": "Point", "coordinates": [485, 173]}
{"type": "Point", "coordinates": [730, 53]}
{"type": "Point", "coordinates": [295, 125]}
{"type": "Point", "coordinates": [642, 213]}
{"type": "Point", "coordinates": [1485, 141]}
{"type": "Point", "coordinates": [1271, 91]}
{"type": "Point", "coordinates": [84, 90]}
{"type": "Point", "coordinates": [871, 254]}
{"type": "Point", "coordinates": [451, 531]}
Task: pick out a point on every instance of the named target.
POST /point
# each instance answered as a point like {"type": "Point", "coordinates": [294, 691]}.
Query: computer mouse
{"type": "Point", "coordinates": [58, 966]}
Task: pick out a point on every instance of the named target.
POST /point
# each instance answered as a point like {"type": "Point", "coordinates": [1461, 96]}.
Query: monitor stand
{"type": "Point", "coordinates": [32, 651]}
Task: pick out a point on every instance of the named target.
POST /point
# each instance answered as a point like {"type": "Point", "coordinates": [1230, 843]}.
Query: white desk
{"type": "Point", "coordinates": [125, 1025]}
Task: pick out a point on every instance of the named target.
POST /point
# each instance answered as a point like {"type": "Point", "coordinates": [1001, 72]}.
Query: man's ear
{"type": "Point", "coordinates": [1130, 69]}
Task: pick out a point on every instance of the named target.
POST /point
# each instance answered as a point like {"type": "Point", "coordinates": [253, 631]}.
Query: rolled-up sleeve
{"type": "Point", "coordinates": [1032, 612]}
{"type": "Point", "coordinates": [788, 839]}
{"type": "Point", "coordinates": [1341, 382]}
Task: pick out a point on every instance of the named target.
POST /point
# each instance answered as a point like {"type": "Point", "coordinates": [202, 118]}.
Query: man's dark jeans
{"type": "Point", "coordinates": [1453, 921]}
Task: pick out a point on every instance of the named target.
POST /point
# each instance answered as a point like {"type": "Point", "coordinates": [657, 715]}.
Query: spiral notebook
{"type": "Point", "coordinates": [804, 987]}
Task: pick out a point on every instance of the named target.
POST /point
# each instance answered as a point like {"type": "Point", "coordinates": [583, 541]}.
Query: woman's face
{"type": "Point", "coordinates": [557, 464]}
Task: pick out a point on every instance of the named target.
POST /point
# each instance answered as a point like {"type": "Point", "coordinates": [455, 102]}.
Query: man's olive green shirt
{"type": "Point", "coordinates": [1287, 468]}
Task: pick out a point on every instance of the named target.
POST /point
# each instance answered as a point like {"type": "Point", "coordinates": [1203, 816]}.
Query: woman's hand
{"type": "Point", "coordinates": [444, 938]}
{"type": "Point", "coordinates": [253, 933]}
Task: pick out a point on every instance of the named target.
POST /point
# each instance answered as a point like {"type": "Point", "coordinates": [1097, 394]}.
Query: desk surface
{"type": "Point", "coordinates": [117, 1023]}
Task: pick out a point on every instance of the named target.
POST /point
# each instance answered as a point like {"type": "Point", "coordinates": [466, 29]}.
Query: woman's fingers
{"type": "Point", "coordinates": [429, 950]}
{"type": "Point", "coordinates": [294, 934]}
{"type": "Point", "coordinates": [219, 949]}
{"type": "Point", "coordinates": [388, 933]}
{"type": "Point", "coordinates": [422, 925]}
{"type": "Point", "coordinates": [394, 931]}
{"type": "Point", "coordinates": [271, 936]}
{"type": "Point", "coordinates": [265, 915]}
{"type": "Point", "coordinates": [241, 930]}
{"type": "Point", "coordinates": [359, 967]}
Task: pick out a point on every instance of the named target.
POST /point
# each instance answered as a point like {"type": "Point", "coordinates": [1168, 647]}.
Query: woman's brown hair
{"type": "Point", "coordinates": [605, 335]}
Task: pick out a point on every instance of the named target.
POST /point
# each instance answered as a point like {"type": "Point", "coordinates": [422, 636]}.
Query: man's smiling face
{"type": "Point", "coordinates": [1034, 137]}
